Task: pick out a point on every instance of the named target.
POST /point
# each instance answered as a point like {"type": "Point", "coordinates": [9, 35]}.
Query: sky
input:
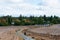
{"type": "Point", "coordinates": [29, 7]}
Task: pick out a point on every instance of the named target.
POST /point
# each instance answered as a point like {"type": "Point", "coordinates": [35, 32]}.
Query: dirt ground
{"type": "Point", "coordinates": [38, 33]}
{"type": "Point", "coordinates": [45, 33]}
{"type": "Point", "coordinates": [53, 30]}
{"type": "Point", "coordinates": [9, 33]}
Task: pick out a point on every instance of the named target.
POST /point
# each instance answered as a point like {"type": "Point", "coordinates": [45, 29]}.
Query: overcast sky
{"type": "Point", "coordinates": [29, 7]}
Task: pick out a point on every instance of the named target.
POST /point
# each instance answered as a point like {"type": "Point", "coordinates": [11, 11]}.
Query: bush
{"type": "Point", "coordinates": [3, 24]}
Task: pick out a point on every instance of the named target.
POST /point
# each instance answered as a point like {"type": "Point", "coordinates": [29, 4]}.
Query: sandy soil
{"type": "Point", "coordinates": [53, 30]}
{"type": "Point", "coordinates": [44, 33]}
{"type": "Point", "coordinates": [9, 33]}
{"type": "Point", "coordinates": [40, 33]}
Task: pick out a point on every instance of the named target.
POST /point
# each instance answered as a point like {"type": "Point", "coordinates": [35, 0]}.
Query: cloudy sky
{"type": "Point", "coordinates": [29, 7]}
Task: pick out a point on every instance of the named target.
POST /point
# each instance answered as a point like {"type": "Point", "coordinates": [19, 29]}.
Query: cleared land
{"type": "Point", "coordinates": [36, 32]}
{"type": "Point", "coordinates": [9, 33]}
{"type": "Point", "coordinates": [53, 30]}
{"type": "Point", "coordinates": [45, 33]}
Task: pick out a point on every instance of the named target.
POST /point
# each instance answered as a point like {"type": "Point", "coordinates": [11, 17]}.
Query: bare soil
{"type": "Point", "coordinates": [9, 33]}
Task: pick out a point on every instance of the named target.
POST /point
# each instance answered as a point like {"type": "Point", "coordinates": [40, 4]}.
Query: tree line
{"type": "Point", "coordinates": [32, 20]}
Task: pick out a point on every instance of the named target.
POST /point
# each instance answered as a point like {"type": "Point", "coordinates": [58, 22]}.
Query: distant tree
{"type": "Point", "coordinates": [32, 20]}
{"type": "Point", "coordinates": [9, 19]}
{"type": "Point", "coordinates": [55, 17]}
{"type": "Point", "coordinates": [50, 19]}
{"type": "Point", "coordinates": [20, 17]}
{"type": "Point", "coordinates": [40, 20]}
{"type": "Point", "coordinates": [54, 21]}
{"type": "Point", "coordinates": [3, 22]}
{"type": "Point", "coordinates": [45, 18]}
{"type": "Point", "coordinates": [16, 21]}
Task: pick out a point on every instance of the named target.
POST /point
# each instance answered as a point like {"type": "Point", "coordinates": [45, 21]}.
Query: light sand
{"type": "Point", "coordinates": [9, 33]}
{"type": "Point", "coordinates": [53, 30]}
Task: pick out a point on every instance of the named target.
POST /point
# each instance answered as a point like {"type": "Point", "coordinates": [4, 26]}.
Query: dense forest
{"type": "Point", "coordinates": [32, 20]}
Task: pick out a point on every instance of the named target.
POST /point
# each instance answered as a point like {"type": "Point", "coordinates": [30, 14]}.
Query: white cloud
{"type": "Point", "coordinates": [16, 1]}
{"type": "Point", "coordinates": [53, 3]}
{"type": "Point", "coordinates": [29, 7]}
